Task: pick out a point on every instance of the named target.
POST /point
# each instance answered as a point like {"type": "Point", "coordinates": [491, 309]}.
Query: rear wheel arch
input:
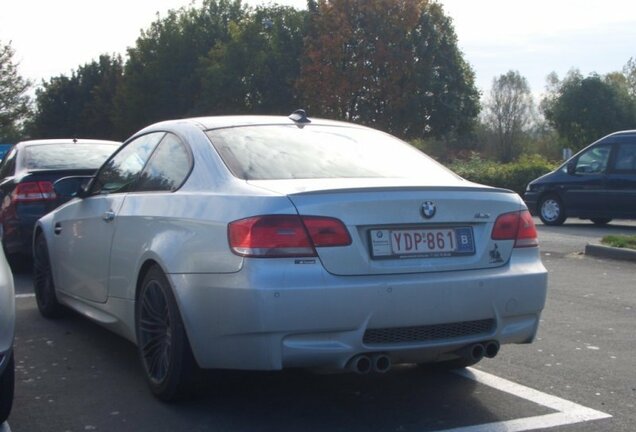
{"type": "Point", "coordinates": [162, 341]}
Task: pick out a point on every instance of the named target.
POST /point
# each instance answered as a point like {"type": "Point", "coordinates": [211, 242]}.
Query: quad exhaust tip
{"type": "Point", "coordinates": [477, 351]}
{"type": "Point", "coordinates": [363, 363]}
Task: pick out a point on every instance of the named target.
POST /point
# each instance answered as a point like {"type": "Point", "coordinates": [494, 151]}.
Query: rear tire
{"type": "Point", "coordinates": [601, 221]}
{"type": "Point", "coordinates": [551, 210]}
{"type": "Point", "coordinates": [162, 343]}
{"type": "Point", "coordinates": [43, 284]}
{"type": "Point", "coordinates": [7, 382]}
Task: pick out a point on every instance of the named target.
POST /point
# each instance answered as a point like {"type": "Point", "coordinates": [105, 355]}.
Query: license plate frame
{"type": "Point", "coordinates": [415, 242]}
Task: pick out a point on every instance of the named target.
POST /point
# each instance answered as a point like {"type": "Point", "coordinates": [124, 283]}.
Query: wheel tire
{"type": "Point", "coordinates": [43, 284]}
{"type": "Point", "coordinates": [7, 382]}
{"type": "Point", "coordinates": [551, 210]}
{"type": "Point", "coordinates": [601, 221]}
{"type": "Point", "coordinates": [162, 343]}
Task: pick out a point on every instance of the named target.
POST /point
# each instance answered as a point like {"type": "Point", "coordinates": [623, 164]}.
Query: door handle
{"type": "Point", "coordinates": [108, 216]}
{"type": "Point", "coordinates": [58, 228]}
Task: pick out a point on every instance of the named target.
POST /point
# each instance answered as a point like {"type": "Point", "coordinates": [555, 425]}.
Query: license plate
{"type": "Point", "coordinates": [422, 243]}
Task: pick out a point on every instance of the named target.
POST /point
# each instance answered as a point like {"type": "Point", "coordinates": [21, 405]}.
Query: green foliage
{"type": "Point", "coordinates": [79, 106]}
{"type": "Point", "coordinates": [620, 241]}
{"type": "Point", "coordinates": [513, 175]}
{"type": "Point", "coordinates": [583, 110]}
{"type": "Point", "coordinates": [14, 102]}
{"type": "Point", "coordinates": [161, 80]}
{"type": "Point", "coordinates": [254, 71]}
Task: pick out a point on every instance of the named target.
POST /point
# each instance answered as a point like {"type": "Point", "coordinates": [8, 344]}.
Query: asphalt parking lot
{"type": "Point", "coordinates": [72, 375]}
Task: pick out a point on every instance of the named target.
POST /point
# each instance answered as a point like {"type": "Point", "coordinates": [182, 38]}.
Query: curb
{"type": "Point", "coordinates": [601, 251]}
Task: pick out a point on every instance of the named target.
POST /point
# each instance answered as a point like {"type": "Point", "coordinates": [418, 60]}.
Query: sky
{"type": "Point", "coordinates": [537, 37]}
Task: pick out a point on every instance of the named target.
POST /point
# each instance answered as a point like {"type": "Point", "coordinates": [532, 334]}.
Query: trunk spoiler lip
{"type": "Point", "coordinates": [404, 188]}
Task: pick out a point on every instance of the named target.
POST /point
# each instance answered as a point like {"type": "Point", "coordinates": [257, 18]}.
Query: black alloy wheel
{"type": "Point", "coordinates": [7, 382]}
{"type": "Point", "coordinates": [43, 284]}
{"type": "Point", "coordinates": [162, 342]}
{"type": "Point", "coordinates": [551, 210]}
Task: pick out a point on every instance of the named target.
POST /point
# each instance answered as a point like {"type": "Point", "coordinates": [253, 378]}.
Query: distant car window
{"type": "Point", "coordinates": [625, 157]}
{"type": "Point", "coordinates": [66, 156]}
{"type": "Point", "coordinates": [593, 161]}
{"type": "Point", "coordinates": [120, 173]}
{"type": "Point", "coordinates": [7, 168]}
{"type": "Point", "coordinates": [168, 167]}
{"type": "Point", "coordinates": [272, 152]}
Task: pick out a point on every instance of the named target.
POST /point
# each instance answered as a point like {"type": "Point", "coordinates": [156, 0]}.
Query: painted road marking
{"type": "Point", "coordinates": [23, 296]}
{"type": "Point", "coordinates": [568, 412]}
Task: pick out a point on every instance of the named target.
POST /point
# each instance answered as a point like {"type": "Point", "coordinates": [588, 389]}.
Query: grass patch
{"type": "Point", "coordinates": [620, 241]}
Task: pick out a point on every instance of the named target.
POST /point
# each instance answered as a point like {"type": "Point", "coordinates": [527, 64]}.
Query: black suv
{"type": "Point", "coordinates": [597, 183]}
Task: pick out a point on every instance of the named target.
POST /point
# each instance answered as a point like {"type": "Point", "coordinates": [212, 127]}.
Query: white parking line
{"type": "Point", "coordinates": [24, 296]}
{"type": "Point", "coordinates": [569, 412]}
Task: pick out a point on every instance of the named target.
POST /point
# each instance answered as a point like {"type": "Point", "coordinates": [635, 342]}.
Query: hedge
{"type": "Point", "coordinates": [514, 175]}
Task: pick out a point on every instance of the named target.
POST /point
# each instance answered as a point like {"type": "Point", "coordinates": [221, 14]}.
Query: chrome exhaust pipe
{"type": "Point", "coordinates": [491, 348]}
{"type": "Point", "coordinates": [381, 363]}
{"type": "Point", "coordinates": [360, 364]}
{"type": "Point", "coordinates": [474, 352]}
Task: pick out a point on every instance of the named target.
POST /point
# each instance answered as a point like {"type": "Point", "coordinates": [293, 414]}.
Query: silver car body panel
{"type": "Point", "coordinates": [266, 313]}
{"type": "Point", "coordinates": [7, 311]}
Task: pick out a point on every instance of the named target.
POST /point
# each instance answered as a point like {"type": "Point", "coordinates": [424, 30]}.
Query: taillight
{"type": "Point", "coordinates": [33, 191]}
{"type": "Point", "coordinates": [517, 226]}
{"type": "Point", "coordinates": [285, 235]}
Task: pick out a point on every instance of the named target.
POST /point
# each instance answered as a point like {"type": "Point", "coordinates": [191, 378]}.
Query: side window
{"type": "Point", "coordinates": [8, 164]}
{"type": "Point", "coordinates": [625, 157]}
{"type": "Point", "coordinates": [168, 168]}
{"type": "Point", "coordinates": [593, 161]}
{"type": "Point", "coordinates": [120, 173]}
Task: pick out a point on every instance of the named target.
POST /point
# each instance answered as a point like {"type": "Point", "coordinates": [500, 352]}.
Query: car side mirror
{"type": "Point", "coordinates": [73, 186]}
{"type": "Point", "coordinates": [571, 167]}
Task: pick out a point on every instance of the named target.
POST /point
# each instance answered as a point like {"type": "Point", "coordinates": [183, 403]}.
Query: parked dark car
{"type": "Point", "coordinates": [4, 149]}
{"type": "Point", "coordinates": [27, 174]}
{"type": "Point", "coordinates": [597, 183]}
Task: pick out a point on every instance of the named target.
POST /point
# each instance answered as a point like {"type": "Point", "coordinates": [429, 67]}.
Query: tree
{"type": "Point", "coordinates": [81, 105]}
{"type": "Point", "coordinates": [509, 110]}
{"type": "Point", "coordinates": [390, 64]}
{"type": "Point", "coordinates": [629, 71]}
{"type": "Point", "coordinates": [255, 70]}
{"type": "Point", "coordinates": [161, 76]}
{"type": "Point", "coordinates": [583, 110]}
{"type": "Point", "coordinates": [14, 101]}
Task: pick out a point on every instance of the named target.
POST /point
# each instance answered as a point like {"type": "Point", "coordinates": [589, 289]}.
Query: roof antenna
{"type": "Point", "coordinates": [299, 116]}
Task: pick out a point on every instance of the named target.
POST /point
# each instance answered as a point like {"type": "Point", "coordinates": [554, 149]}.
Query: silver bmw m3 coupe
{"type": "Point", "coordinates": [266, 243]}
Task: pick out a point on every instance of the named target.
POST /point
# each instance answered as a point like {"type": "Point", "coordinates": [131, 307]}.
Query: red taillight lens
{"type": "Point", "coordinates": [325, 232]}
{"type": "Point", "coordinates": [517, 226]}
{"type": "Point", "coordinates": [285, 235]}
{"type": "Point", "coordinates": [34, 191]}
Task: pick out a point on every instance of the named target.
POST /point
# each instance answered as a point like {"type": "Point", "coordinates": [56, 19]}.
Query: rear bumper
{"type": "Point", "coordinates": [275, 314]}
{"type": "Point", "coordinates": [18, 230]}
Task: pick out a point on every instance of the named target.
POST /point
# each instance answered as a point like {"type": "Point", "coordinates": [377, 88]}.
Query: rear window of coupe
{"type": "Point", "coordinates": [280, 152]}
{"type": "Point", "coordinates": [66, 156]}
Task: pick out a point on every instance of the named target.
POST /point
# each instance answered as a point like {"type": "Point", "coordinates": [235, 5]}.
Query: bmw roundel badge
{"type": "Point", "coordinates": [428, 209]}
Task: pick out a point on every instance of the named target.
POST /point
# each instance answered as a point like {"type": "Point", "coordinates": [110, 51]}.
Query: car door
{"type": "Point", "coordinates": [585, 194]}
{"type": "Point", "coordinates": [84, 229]}
{"type": "Point", "coordinates": [621, 180]}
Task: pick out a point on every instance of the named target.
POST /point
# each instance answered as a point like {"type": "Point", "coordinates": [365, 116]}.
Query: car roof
{"type": "Point", "coordinates": [66, 141]}
{"type": "Point", "coordinates": [215, 122]}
